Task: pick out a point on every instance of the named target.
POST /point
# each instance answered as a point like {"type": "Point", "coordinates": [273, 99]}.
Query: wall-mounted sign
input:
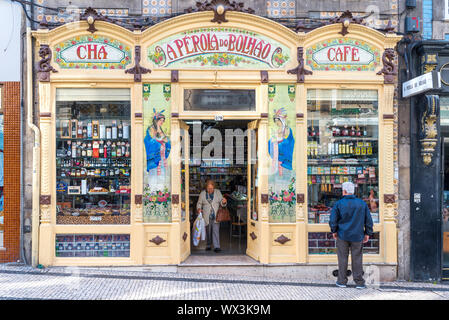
{"type": "Point", "coordinates": [423, 83]}
{"type": "Point", "coordinates": [342, 54]}
{"type": "Point", "coordinates": [219, 47]}
{"type": "Point", "coordinates": [92, 52]}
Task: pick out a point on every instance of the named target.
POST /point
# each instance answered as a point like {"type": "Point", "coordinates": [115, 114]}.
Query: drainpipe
{"type": "Point", "coordinates": [36, 155]}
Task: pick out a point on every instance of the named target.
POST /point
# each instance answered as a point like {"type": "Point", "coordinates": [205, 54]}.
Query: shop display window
{"type": "Point", "coordinates": [93, 156]}
{"type": "Point", "coordinates": [342, 145]}
{"type": "Point", "coordinates": [92, 245]}
{"type": "Point", "coordinates": [324, 243]}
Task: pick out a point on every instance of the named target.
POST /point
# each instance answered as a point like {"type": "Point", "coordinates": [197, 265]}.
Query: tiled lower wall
{"type": "Point", "coordinates": [11, 171]}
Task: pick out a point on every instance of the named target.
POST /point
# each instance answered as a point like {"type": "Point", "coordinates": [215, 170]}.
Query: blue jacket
{"type": "Point", "coordinates": [351, 219]}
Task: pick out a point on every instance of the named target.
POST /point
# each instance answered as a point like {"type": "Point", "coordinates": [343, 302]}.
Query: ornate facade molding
{"type": "Point", "coordinates": [346, 19]}
{"type": "Point", "coordinates": [282, 239]}
{"type": "Point", "coordinates": [157, 240]}
{"type": "Point", "coordinates": [389, 70]}
{"type": "Point", "coordinates": [219, 7]}
{"type": "Point", "coordinates": [300, 71]}
{"type": "Point", "coordinates": [44, 65]}
{"type": "Point", "coordinates": [429, 128]}
{"type": "Point", "coordinates": [137, 70]}
{"type": "Point", "coordinates": [91, 15]}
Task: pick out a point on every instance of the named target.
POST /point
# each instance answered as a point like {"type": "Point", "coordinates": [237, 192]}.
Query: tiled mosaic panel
{"type": "Point", "coordinates": [11, 156]}
{"type": "Point", "coordinates": [156, 7]}
{"type": "Point", "coordinates": [281, 8]}
{"type": "Point", "coordinates": [324, 243]}
{"type": "Point", "coordinates": [92, 245]}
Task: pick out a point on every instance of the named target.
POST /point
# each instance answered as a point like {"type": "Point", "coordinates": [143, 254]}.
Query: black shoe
{"type": "Point", "coordinates": [217, 249]}
{"type": "Point", "coordinates": [208, 249]}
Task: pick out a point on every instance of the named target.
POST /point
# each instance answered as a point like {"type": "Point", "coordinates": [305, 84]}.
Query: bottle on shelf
{"type": "Point", "coordinates": [79, 134]}
{"type": "Point", "coordinates": [102, 131]}
{"type": "Point", "coordinates": [114, 150]}
{"type": "Point", "coordinates": [108, 132]}
{"type": "Point", "coordinates": [114, 129]}
{"type": "Point", "coordinates": [125, 130]}
{"type": "Point", "coordinates": [89, 130]}
{"type": "Point", "coordinates": [120, 130]}
{"type": "Point", "coordinates": [69, 148]}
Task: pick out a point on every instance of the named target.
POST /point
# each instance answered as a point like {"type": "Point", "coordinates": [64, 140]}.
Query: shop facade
{"type": "Point", "coordinates": [429, 132]}
{"type": "Point", "coordinates": [120, 169]}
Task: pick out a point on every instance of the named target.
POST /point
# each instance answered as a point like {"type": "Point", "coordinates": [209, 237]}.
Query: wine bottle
{"type": "Point", "coordinates": [89, 149]}
{"type": "Point", "coordinates": [80, 130]}
{"type": "Point", "coordinates": [125, 130]}
{"type": "Point", "coordinates": [108, 132]}
{"type": "Point", "coordinates": [123, 149]}
{"type": "Point", "coordinates": [83, 150]}
{"type": "Point", "coordinates": [101, 149]}
{"type": "Point", "coordinates": [102, 131]}
{"type": "Point", "coordinates": [84, 132]}
{"type": "Point", "coordinates": [119, 149]}
{"type": "Point", "coordinates": [95, 149]}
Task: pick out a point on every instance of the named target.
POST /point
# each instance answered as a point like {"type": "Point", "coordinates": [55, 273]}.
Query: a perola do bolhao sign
{"type": "Point", "coordinates": [219, 47]}
{"type": "Point", "coordinates": [92, 52]}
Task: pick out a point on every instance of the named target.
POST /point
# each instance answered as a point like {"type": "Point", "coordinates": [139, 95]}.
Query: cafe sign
{"type": "Point", "coordinates": [92, 52]}
{"type": "Point", "coordinates": [342, 54]}
{"type": "Point", "coordinates": [227, 48]}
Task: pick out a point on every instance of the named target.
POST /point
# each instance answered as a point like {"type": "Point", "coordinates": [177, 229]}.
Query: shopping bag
{"type": "Point", "coordinates": [196, 233]}
{"type": "Point", "coordinates": [202, 227]}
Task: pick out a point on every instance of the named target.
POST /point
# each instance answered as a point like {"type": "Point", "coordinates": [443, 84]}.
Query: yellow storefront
{"type": "Point", "coordinates": [321, 102]}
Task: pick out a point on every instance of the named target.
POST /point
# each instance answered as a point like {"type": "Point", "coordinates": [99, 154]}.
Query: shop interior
{"type": "Point", "coordinates": [226, 165]}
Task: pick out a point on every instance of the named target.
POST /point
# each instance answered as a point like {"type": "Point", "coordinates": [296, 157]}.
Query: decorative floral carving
{"type": "Point", "coordinates": [219, 7]}
{"type": "Point", "coordinates": [43, 66]}
{"type": "Point", "coordinates": [45, 200]}
{"type": "Point", "coordinates": [300, 71]}
{"type": "Point", "coordinates": [389, 198]}
{"type": "Point", "coordinates": [91, 15]}
{"type": "Point", "coordinates": [157, 240]}
{"type": "Point", "coordinates": [389, 69]}
{"type": "Point", "coordinates": [429, 130]}
{"type": "Point", "coordinates": [138, 199]}
{"type": "Point", "coordinates": [137, 70]}
{"type": "Point", "coordinates": [282, 239]}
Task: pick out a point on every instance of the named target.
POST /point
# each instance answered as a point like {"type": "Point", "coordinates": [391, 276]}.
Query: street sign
{"type": "Point", "coordinates": [423, 83]}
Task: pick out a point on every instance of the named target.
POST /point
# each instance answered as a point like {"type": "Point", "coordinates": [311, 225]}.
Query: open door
{"type": "Point", "coordinates": [184, 201]}
{"type": "Point", "coordinates": [253, 230]}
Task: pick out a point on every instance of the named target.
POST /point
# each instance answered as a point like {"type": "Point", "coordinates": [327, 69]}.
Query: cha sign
{"type": "Point", "coordinates": [92, 52]}
{"type": "Point", "coordinates": [423, 83]}
{"type": "Point", "coordinates": [342, 54]}
{"type": "Point", "coordinates": [218, 47]}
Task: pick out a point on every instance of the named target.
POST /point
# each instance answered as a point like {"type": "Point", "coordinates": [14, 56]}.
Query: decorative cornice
{"type": "Point", "coordinates": [389, 70]}
{"type": "Point", "coordinates": [282, 239]}
{"type": "Point", "coordinates": [157, 240]}
{"type": "Point", "coordinates": [44, 65]}
{"type": "Point", "coordinates": [137, 70]}
{"type": "Point", "coordinates": [219, 7]}
{"type": "Point", "coordinates": [300, 71]}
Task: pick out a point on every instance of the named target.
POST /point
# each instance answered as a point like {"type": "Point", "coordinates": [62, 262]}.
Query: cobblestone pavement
{"type": "Point", "coordinates": [119, 283]}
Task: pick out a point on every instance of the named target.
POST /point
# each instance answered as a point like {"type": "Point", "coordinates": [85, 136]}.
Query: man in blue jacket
{"type": "Point", "coordinates": [351, 225]}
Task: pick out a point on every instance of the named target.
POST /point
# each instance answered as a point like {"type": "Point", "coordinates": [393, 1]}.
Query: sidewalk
{"type": "Point", "coordinates": [121, 283]}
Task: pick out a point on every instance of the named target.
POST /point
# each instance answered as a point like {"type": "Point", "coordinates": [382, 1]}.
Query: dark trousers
{"type": "Point", "coordinates": [356, 258]}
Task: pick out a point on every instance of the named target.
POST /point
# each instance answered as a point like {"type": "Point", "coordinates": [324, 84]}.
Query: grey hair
{"type": "Point", "coordinates": [348, 187]}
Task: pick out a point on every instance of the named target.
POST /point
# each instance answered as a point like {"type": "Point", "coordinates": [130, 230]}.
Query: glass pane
{"type": "Point", "coordinates": [254, 178]}
{"type": "Point", "coordinates": [219, 99]}
{"type": "Point", "coordinates": [184, 168]}
{"type": "Point", "coordinates": [93, 160]}
{"type": "Point", "coordinates": [92, 245]}
{"type": "Point", "coordinates": [342, 145]}
{"type": "Point", "coordinates": [324, 243]}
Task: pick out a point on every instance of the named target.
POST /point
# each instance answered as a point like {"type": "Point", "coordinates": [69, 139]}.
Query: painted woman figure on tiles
{"type": "Point", "coordinates": [157, 147]}
{"type": "Point", "coordinates": [281, 145]}
{"type": "Point", "coordinates": [280, 148]}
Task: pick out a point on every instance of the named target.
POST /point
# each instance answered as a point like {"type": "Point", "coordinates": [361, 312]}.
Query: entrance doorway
{"type": "Point", "coordinates": [218, 151]}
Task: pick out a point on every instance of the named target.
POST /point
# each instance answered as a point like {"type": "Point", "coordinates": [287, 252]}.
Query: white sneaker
{"type": "Point", "coordinates": [340, 285]}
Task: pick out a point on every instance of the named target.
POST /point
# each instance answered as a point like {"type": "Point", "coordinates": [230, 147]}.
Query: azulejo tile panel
{"type": "Point", "coordinates": [281, 9]}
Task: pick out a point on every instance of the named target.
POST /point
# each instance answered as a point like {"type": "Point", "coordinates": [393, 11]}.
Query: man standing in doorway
{"type": "Point", "coordinates": [351, 225]}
